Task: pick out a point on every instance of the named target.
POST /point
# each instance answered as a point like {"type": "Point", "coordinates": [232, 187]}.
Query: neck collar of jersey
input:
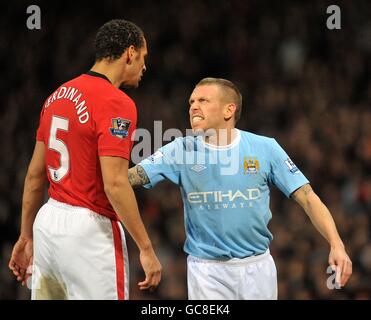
{"type": "Point", "coordinates": [97, 74]}
{"type": "Point", "coordinates": [235, 142]}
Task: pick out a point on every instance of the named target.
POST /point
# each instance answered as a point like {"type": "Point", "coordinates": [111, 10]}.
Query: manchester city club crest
{"type": "Point", "coordinates": [120, 127]}
{"type": "Point", "coordinates": [250, 165]}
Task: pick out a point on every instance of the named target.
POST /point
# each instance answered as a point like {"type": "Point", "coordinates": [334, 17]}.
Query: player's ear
{"type": "Point", "coordinates": [129, 54]}
{"type": "Point", "coordinates": [229, 110]}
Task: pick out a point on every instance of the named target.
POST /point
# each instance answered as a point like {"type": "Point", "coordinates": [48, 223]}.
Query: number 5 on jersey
{"type": "Point", "coordinates": [59, 146]}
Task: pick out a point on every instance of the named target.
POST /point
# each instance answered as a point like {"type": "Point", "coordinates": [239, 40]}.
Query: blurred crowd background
{"type": "Point", "coordinates": [305, 85]}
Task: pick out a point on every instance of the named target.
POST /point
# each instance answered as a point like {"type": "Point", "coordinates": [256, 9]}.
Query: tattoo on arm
{"type": "Point", "coordinates": [304, 190]}
{"type": "Point", "coordinates": [142, 175]}
{"type": "Point", "coordinates": [137, 176]}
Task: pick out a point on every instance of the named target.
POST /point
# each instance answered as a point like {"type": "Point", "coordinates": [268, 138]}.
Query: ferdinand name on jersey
{"type": "Point", "coordinates": [72, 94]}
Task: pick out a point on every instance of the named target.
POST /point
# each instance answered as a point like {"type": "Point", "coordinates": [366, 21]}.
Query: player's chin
{"type": "Point", "coordinates": [133, 85]}
{"type": "Point", "coordinates": [198, 130]}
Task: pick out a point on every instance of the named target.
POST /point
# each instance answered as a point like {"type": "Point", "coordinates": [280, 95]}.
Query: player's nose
{"type": "Point", "coordinates": [193, 108]}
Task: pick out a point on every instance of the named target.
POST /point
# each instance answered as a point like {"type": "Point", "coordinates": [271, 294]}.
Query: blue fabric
{"type": "Point", "coordinates": [225, 191]}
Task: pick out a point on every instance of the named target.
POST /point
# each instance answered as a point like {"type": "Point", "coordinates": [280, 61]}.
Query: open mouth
{"type": "Point", "coordinates": [196, 119]}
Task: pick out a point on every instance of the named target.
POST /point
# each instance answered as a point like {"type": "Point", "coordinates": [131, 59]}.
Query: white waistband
{"type": "Point", "coordinates": [247, 260]}
{"type": "Point", "coordinates": [76, 209]}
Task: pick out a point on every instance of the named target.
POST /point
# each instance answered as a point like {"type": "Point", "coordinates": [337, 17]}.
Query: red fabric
{"type": "Point", "coordinates": [91, 106]}
{"type": "Point", "coordinates": [120, 277]}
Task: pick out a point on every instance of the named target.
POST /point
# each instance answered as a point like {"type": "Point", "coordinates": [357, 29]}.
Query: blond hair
{"type": "Point", "coordinates": [232, 94]}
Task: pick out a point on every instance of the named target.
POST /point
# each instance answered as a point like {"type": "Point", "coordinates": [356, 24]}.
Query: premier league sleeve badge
{"type": "Point", "coordinates": [120, 127]}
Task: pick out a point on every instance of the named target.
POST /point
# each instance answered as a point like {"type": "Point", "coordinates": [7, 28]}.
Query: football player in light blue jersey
{"type": "Point", "coordinates": [224, 175]}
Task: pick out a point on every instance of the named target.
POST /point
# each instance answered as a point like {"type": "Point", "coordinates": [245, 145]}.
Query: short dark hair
{"type": "Point", "coordinates": [234, 94]}
{"type": "Point", "coordinates": [114, 37]}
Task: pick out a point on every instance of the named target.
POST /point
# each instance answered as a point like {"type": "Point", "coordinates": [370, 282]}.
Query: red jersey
{"type": "Point", "coordinates": [83, 119]}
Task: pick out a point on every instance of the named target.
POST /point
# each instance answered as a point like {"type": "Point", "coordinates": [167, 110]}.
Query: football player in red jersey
{"type": "Point", "coordinates": [82, 150]}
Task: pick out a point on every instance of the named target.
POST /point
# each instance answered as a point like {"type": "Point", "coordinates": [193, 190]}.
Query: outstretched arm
{"type": "Point", "coordinates": [324, 223]}
{"type": "Point", "coordinates": [137, 176]}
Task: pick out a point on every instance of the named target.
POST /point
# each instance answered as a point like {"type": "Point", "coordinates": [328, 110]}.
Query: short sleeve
{"type": "Point", "coordinates": [163, 164]}
{"type": "Point", "coordinates": [115, 123]}
{"type": "Point", "coordinates": [284, 173]}
{"type": "Point", "coordinates": [40, 130]}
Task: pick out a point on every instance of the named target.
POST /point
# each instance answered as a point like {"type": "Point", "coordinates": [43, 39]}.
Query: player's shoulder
{"type": "Point", "coordinates": [116, 94]}
{"type": "Point", "coordinates": [186, 143]}
{"type": "Point", "coordinates": [257, 138]}
{"type": "Point", "coordinates": [71, 84]}
{"type": "Point", "coordinates": [102, 90]}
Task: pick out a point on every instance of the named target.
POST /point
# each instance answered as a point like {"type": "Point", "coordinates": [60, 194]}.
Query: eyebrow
{"type": "Point", "coordinates": [202, 98]}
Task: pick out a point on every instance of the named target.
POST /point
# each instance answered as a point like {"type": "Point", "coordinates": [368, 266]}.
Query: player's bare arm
{"type": "Point", "coordinates": [122, 198]}
{"type": "Point", "coordinates": [33, 196]}
{"type": "Point", "coordinates": [324, 223]}
{"type": "Point", "coordinates": [137, 176]}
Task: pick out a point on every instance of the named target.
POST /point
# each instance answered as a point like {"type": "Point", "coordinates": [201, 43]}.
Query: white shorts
{"type": "Point", "coordinates": [251, 278]}
{"type": "Point", "coordinates": [78, 254]}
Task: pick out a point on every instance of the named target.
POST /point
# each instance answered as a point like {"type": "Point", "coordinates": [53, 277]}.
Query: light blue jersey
{"type": "Point", "coordinates": [225, 191]}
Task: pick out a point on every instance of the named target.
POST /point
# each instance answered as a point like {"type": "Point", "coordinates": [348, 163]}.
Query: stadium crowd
{"type": "Point", "coordinates": [305, 85]}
